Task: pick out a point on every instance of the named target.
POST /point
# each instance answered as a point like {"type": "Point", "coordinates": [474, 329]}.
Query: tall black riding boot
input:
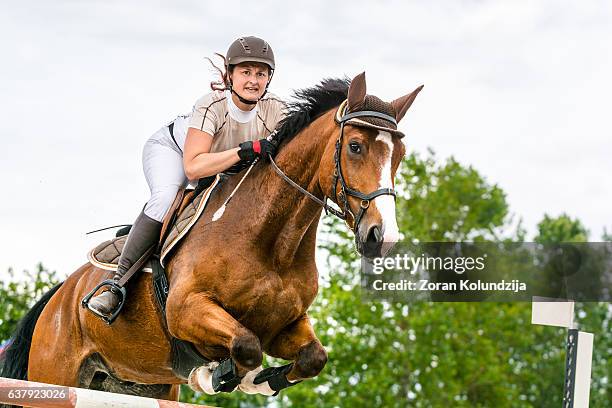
{"type": "Point", "coordinates": [143, 235]}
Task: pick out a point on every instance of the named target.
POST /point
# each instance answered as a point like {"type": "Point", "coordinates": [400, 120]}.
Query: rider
{"type": "Point", "coordinates": [225, 126]}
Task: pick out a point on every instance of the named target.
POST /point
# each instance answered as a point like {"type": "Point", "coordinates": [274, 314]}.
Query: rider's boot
{"type": "Point", "coordinates": [143, 235]}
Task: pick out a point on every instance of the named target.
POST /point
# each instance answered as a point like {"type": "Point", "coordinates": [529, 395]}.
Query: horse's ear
{"type": "Point", "coordinates": [401, 105]}
{"type": "Point", "coordinates": [357, 91]}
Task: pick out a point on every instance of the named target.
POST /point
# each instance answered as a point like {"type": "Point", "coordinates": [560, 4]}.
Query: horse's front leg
{"type": "Point", "coordinates": [198, 319]}
{"type": "Point", "coordinates": [296, 342]}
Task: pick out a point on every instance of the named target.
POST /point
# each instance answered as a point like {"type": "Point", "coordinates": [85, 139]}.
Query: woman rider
{"type": "Point", "coordinates": [225, 126]}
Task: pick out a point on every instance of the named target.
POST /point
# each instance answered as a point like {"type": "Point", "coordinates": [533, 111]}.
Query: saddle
{"type": "Point", "coordinates": [187, 207]}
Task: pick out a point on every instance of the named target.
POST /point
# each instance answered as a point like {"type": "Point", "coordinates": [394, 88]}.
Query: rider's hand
{"type": "Point", "coordinates": [259, 148]}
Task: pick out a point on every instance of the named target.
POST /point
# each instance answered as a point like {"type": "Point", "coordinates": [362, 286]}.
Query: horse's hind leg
{"type": "Point", "coordinates": [57, 349]}
{"type": "Point", "coordinates": [296, 342]}
{"type": "Point", "coordinates": [56, 359]}
{"type": "Point", "coordinates": [46, 367]}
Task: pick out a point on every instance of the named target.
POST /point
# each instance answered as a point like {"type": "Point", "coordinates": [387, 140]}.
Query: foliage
{"type": "Point", "coordinates": [449, 202]}
{"type": "Point", "coordinates": [561, 229]}
{"type": "Point", "coordinates": [19, 294]}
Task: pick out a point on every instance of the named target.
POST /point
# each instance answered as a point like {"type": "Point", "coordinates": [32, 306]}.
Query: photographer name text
{"type": "Point", "coordinates": [463, 285]}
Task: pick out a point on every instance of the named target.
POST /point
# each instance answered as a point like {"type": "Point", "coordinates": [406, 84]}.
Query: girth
{"type": "Point", "coordinates": [185, 356]}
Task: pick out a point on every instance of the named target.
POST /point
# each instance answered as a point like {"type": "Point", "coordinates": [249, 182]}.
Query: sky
{"type": "Point", "coordinates": [517, 89]}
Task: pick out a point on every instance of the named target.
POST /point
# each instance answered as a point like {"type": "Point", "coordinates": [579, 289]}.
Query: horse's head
{"type": "Point", "coordinates": [362, 162]}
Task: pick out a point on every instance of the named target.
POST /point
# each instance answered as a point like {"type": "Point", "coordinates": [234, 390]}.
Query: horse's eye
{"type": "Point", "coordinates": [355, 147]}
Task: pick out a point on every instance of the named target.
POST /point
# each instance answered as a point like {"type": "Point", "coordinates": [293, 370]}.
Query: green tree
{"type": "Point", "coordinates": [606, 237]}
{"type": "Point", "coordinates": [18, 295]}
{"type": "Point", "coordinates": [447, 201]}
{"type": "Point", "coordinates": [561, 229]}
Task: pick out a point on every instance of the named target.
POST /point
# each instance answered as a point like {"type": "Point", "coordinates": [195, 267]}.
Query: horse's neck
{"type": "Point", "coordinates": [289, 219]}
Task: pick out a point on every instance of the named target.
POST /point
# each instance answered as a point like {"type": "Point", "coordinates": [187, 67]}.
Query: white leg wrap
{"type": "Point", "coordinates": [200, 378]}
{"type": "Point", "coordinates": [247, 386]}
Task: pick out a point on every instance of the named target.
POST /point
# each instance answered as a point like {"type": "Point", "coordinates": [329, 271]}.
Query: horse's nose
{"type": "Point", "coordinates": [375, 235]}
{"type": "Point", "coordinates": [372, 247]}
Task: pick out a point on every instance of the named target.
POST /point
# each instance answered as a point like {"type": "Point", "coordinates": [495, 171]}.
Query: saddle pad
{"type": "Point", "coordinates": [186, 219]}
{"type": "Point", "coordinates": [106, 255]}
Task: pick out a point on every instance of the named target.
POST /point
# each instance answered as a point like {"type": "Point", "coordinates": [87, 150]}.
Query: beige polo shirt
{"type": "Point", "coordinates": [217, 115]}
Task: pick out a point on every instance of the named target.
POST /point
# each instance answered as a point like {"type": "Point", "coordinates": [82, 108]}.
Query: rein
{"type": "Point", "coordinates": [345, 190]}
{"type": "Point", "coordinates": [327, 207]}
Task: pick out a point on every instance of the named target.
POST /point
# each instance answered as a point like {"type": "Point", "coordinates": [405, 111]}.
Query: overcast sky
{"type": "Point", "coordinates": [518, 89]}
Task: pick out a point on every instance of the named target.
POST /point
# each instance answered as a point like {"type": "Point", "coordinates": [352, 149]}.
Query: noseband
{"type": "Point", "coordinates": [345, 190]}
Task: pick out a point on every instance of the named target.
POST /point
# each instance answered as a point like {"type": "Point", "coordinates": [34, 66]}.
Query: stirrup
{"type": "Point", "coordinates": [116, 289]}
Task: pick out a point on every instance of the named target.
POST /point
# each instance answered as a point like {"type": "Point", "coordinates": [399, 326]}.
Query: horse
{"type": "Point", "coordinates": [240, 285]}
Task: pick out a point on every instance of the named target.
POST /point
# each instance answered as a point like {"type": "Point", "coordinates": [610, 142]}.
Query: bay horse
{"type": "Point", "coordinates": [241, 285]}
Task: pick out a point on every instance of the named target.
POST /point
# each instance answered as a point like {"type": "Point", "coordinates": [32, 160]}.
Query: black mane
{"type": "Point", "coordinates": [311, 103]}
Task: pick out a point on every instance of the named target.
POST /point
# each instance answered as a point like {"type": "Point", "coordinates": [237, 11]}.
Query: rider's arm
{"type": "Point", "coordinates": [198, 162]}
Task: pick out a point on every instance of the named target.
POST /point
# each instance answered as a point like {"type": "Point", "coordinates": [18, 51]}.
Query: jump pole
{"type": "Point", "coordinates": [32, 394]}
{"type": "Point", "coordinates": [579, 349]}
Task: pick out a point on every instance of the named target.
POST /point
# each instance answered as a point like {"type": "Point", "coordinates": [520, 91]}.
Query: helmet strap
{"type": "Point", "coordinates": [268, 84]}
{"type": "Point", "coordinates": [245, 101]}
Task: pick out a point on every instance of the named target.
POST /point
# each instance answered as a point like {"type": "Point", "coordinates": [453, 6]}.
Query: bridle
{"type": "Point", "coordinates": [345, 190]}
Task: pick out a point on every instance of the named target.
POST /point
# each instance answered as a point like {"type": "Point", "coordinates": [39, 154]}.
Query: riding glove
{"type": "Point", "coordinates": [259, 148]}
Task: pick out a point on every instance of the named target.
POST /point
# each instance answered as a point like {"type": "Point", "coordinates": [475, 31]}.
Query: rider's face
{"type": "Point", "coordinates": [249, 79]}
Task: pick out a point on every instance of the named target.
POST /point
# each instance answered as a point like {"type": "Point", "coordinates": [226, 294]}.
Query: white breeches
{"type": "Point", "coordinates": [162, 162]}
